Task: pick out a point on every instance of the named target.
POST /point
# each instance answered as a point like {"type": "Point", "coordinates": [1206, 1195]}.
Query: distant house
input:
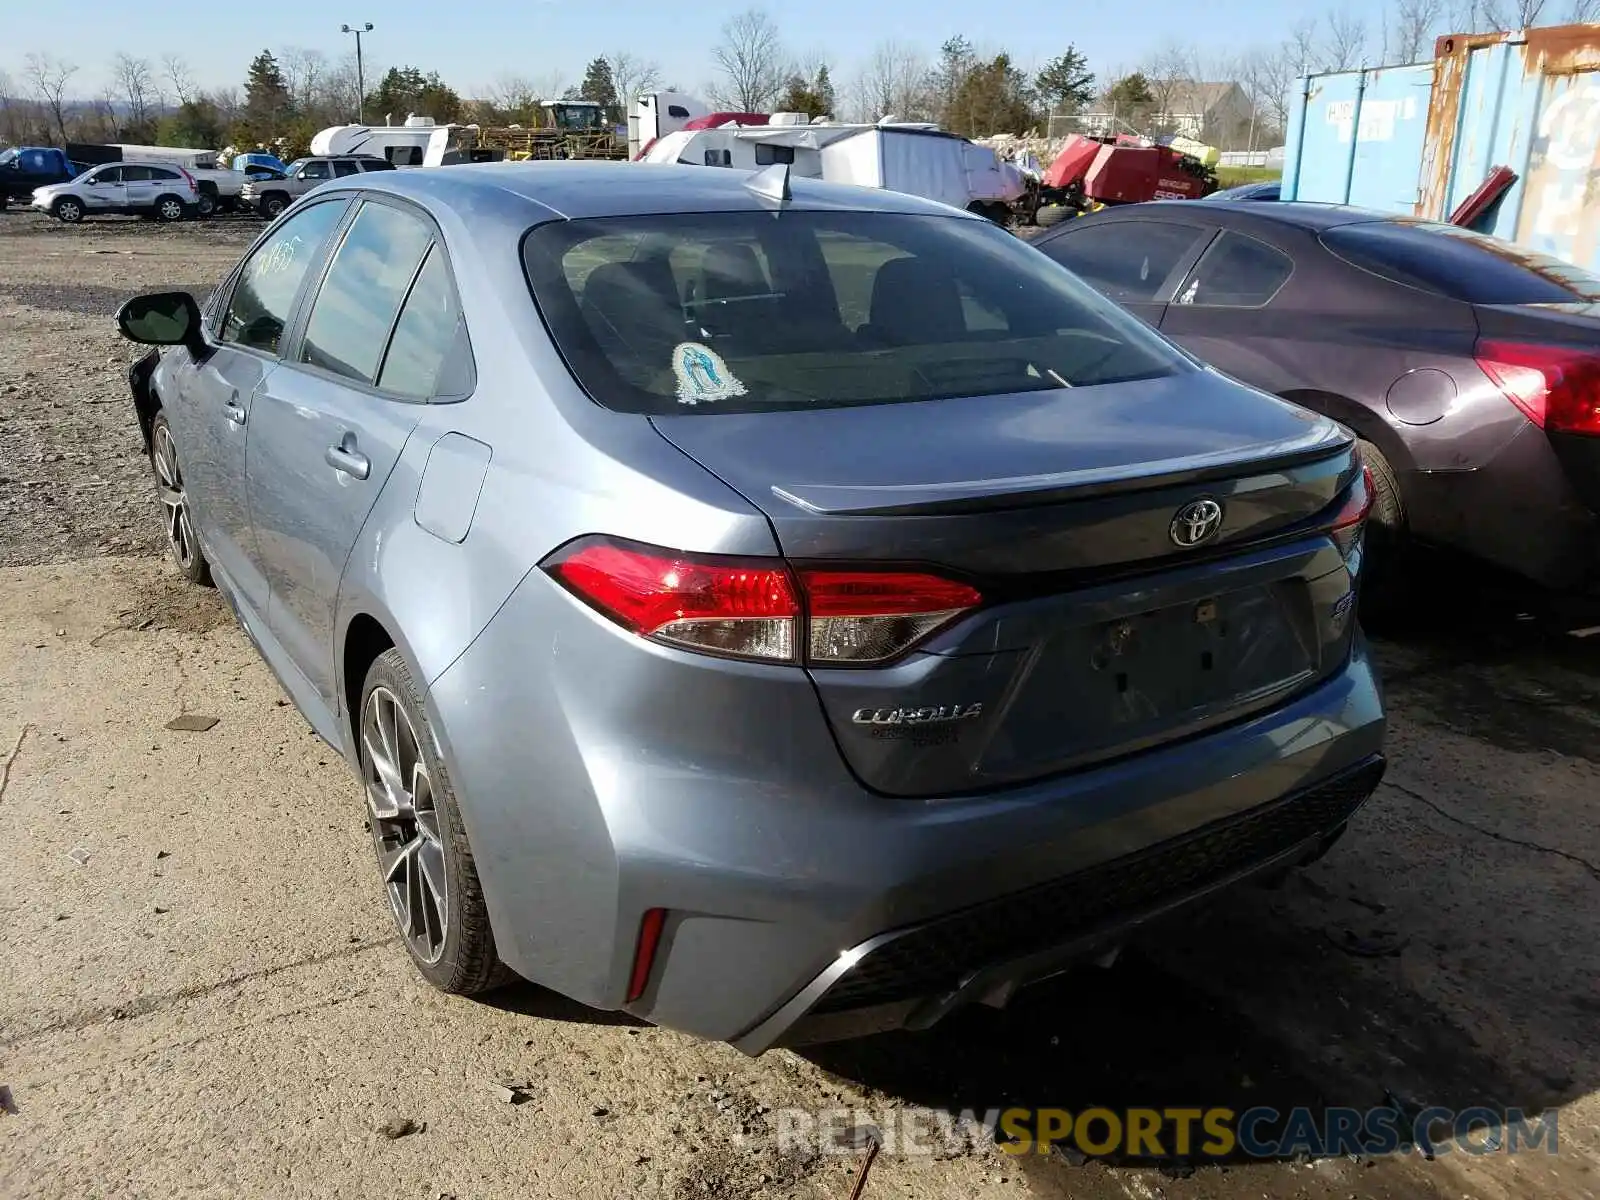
{"type": "Point", "coordinates": [1218, 114]}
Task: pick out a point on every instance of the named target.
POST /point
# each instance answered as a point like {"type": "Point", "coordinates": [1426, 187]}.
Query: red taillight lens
{"type": "Point", "coordinates": [868, 616]}
{"type": "Point", "coordinates": [724, 606]}
{"type": "Point", "coordinates": [756, 608]}
{"type": "Point", "coordinates": [1351, 519]}
{"type": "Point", "coordinates": [1556, 387]}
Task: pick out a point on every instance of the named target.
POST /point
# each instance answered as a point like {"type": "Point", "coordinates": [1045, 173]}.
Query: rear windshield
{"type": "Point", "coordinates": [1460, 264]}
{"type": "Point", "coordinates": [754, 311]}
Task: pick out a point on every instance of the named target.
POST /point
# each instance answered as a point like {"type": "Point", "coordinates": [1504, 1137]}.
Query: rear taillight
{"type": "Point", "coordinates": [1556, 387]}
{"type": "Point", "coordinates": [189, 179]}
{"type": "Point", "coordinates": [1351, 518]}
{"type": "Point", "coordinates": [760, 609]}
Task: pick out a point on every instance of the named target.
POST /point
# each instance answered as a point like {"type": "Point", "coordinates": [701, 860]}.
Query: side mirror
{"type": "Point", "coordinates": [161, 319]}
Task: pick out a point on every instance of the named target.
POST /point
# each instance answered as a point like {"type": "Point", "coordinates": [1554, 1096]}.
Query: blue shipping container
{"type": "Point", "coordinates": [1532, 104]}
{"type": "Point", "coordinates": [1421, 139]}
{"type": "Point", "coordinates": [1356, 137]}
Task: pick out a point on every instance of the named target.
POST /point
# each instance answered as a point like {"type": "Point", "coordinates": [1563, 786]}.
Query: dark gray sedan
{"type": "Point", "coordinates": [778, 612]}
{"type": "Point", "coordinates": [1469, 367]}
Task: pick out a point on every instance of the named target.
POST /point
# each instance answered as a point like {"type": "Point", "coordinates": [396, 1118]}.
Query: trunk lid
{"type": "Point", "coordinates": [1100, 634]}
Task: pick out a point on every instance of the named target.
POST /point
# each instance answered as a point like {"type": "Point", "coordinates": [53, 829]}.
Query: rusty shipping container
{"type": "Point", "coordinates": [1528, 101]}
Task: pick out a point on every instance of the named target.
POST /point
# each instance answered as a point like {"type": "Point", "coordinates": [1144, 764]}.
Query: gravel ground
{"type": "Point", "coordinates": [73, 476]}
{"type": "Point", "coordinates": [201, 994]}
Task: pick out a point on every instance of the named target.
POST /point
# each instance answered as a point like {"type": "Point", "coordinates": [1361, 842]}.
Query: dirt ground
{"type": "Point", "coordinates": [200, 994]}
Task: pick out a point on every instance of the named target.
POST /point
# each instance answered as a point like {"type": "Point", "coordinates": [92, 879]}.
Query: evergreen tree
{"type": "Point", "coordinates": [267, 104]}
{"type": "Point", "coordinates": [1066, 81]}
{"type": "Point", "coordinates": [597, 84]}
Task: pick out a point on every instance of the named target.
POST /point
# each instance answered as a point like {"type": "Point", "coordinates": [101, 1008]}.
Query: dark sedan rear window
{"type": "Point", "coordinates": [1460, 264]}
{"type": "Point", "coordinates": [754, 311]}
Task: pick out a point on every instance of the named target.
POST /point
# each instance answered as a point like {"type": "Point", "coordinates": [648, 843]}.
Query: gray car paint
{"type": "Point", "coordinates": [600, 775]}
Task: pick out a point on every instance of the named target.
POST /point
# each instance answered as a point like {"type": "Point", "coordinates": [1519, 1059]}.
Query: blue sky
{"type": "Point", "coordinates": [473, 45]}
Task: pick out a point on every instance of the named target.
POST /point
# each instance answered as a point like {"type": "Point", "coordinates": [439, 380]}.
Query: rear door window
{"type": "Point", "coordinates": [1236, 272]}
{"type": "Point", "coordinates": [738, 312]}
{"type": "Point", "coordinates": [1130, 261]}
{"type": "Point", "coordinates": [355, 309]}
{"type": "Point", "coordinates": [342, 169]}
{"type": "Point", "coordinates": [1457, 263]}
{"type": "Point", "coordinates": [428, 354]}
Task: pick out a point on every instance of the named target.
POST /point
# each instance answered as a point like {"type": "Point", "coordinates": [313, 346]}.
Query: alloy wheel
{"type": "Point", "coordinates": [171, 210]}
{"type": "Point", "coordinates": [69, 211]}
{"type": "Point", "coordinates": [174, 502]}
{"type": "Point", "coordinates": [405, 825]}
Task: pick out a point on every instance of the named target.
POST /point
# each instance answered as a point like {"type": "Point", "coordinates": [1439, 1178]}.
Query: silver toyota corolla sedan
{"type": "Point", "coordinates": [779, 610]}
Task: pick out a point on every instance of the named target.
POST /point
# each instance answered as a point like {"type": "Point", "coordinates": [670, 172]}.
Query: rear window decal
{"type": "Point", "coordinates": [702, 375]}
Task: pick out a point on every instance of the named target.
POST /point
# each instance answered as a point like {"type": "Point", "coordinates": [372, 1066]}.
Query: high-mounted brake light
{"type": "Point", "coordinates": [1351, 519]}
{"type": "Point", "coordinates": [760, 609]}
{"type": "Point", "coordinates": [1556, 387]}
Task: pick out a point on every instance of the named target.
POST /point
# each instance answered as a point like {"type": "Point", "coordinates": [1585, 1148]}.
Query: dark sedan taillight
{"type": "Point", "coordinates": [760, 609]}
{"type": "Point", "coordinates": [1556, 387]}
{"type": "Point", "coordinates": [1350, 519]}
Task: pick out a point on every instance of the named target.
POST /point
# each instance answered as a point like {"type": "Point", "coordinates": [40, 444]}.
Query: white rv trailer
{"type": "Point", "coordinates": [915, 158]}
{"type": "Point", "coordinates": [403, 145]}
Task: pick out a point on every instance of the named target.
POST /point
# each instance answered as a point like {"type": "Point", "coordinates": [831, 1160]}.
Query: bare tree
{"type": "Point", "coordinates": [893, 81]}
{"type": "Point", "coordinates": [303, 71]}
{"type": "Point", "coordinates": [1580, 11]}
{"type": "Point", "coordinates": [49, 76]}
{"type": "Point", "coordinates": [177, 71]}
{"type": "Point", "coordinates": [632, 77]}
{"type": "Point", "coordinates": [136, 86]}
{"type": "Point", "coordinates": [750, 59]}
{"type": "Point", "coordinates": [551, 85]}
{"type": "Point", "coordinates": [1346, 40]}
{"type": "Point", "coordinates": [1170, 71]}
{"type": "Point", "coordinates": [1414, 24]}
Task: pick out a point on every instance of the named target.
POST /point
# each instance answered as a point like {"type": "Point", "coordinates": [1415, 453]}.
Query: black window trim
{"type": "Point", "coordinates": [294, 335]}
{"type": "Point", "coordinates": [1222, 235]}
{"type": "Point", "coordinates": [1208, 231]}
{"type": "Point", "coordinates": [232, 282]}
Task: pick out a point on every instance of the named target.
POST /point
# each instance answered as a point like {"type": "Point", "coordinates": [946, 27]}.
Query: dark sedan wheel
{"type": "Point", "coordinates": [177, 521]}
{"type": "Point", "coordinates": [1385, 592]}
{"type": "Point", "coordinates": [423, 856]}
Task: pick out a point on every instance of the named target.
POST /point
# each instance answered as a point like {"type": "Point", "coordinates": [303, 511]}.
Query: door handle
{"type": "Point", "coordinates": [233, 410]}
{"type": "Point", "coordinates": [346, 458]}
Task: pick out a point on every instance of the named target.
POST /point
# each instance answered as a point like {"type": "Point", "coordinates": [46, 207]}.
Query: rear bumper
{"type": "Point", "coordinates": [600, 778]}
{"type": "Point", "coordinates": [1523, 510]}
{"type": "Point", "coordinates": [912, 978]}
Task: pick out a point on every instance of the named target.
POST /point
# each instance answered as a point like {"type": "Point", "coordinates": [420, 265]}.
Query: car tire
{"type": "Point", "coordinates": [418, 835]}
{"type": "Point", "coordinates": [272, 204]}
{"type": "Point", "coordinates": [206, 205]}
{"type": "Point", "coordinates": [67, 210]}
{"type": "Point", "coordinates": [168, 209]}
{"type": "Point", "coordinates": [1386, 586]}
{"type": "Point", "coordinates": [178, 520]}
{"type": "Point", "coordinates": [1051, 214]}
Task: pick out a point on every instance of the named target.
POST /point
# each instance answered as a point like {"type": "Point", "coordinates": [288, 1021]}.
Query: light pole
{"type": "Point", "coordinates": [361, 81]}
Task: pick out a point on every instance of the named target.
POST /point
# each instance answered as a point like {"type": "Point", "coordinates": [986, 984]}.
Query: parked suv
{"type": "Point", "coordinates": [269, 197]}
{"type": "Point", "coordinates": [165, 192]}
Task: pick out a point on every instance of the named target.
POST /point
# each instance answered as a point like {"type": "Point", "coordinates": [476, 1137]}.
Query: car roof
{"type": "Point", "coordinates": [608, 189]}
{"type": "Point", "coordinates": [1308, 215]}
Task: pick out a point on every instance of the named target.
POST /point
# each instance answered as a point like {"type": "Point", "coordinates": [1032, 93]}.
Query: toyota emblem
{"type": "Point", "coordinates": [1196, 522]}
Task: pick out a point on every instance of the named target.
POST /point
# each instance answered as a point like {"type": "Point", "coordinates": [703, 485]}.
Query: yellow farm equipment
{"type": "Point", "coordinates": [567, 129]}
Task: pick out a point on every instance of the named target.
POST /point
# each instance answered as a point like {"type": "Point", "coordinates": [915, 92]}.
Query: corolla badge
{"type": "Point", "coordinates": [942, 714]}
{"type": "Point", "coordinates": [1196, 522]}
